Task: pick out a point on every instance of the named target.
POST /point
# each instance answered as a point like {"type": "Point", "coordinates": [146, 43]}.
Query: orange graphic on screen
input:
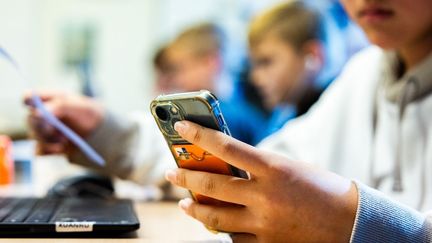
{"type": "Point", "coordinates": [192, 157]}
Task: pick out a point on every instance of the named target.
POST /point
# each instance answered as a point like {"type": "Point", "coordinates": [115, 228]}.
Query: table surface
{"type": "Point", "coordinates": [160, 221]}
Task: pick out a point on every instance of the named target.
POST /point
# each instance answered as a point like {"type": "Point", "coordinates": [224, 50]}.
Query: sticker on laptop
{"type": "Point", "coordinates": [85, 226]}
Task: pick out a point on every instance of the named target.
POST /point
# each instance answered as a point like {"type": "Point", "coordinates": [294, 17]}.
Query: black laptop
{"type": "Point", "coordinates": [66, 216]}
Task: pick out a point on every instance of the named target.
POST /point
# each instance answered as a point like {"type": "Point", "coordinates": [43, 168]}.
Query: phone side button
{"type": "Point", "coordinates": [225, 130]}
{"type": "Point", "coordinates": [221, 120]}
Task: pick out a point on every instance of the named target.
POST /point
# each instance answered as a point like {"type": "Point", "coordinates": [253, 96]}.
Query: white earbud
{"type": "Point", "coordinates": [311, 64]}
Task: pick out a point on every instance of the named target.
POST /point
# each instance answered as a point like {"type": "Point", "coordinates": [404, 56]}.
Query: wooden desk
{"type": "Point", "coordinates": [165, 222]}
{"type": "Point", "coordinates": [160, 221]}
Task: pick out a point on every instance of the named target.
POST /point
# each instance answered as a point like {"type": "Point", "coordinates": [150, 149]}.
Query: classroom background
{"type": "Point", "coordinates": [105, 47]}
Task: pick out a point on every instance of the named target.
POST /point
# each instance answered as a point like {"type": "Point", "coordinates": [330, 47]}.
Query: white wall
{"type": "Point", "coordinates": [128, 31]}
{"type": "Point", "coordinates": [124, 37]}
{"type": "Point", "coordinates": [31, 31]}
{"type": "Point", "coordinates": [17, 34]}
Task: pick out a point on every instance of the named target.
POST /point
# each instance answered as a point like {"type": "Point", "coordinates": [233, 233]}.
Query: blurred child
{"type": "Point", "coordinates": [196, 62]}
{"type": "Point", "coordinates": [162, 71]}
{"type": "Point", "coordinates": [287, 57]}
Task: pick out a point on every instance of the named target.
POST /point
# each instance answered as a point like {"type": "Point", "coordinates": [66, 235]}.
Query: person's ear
{"type": "Point", "coordinates": [311, 63]}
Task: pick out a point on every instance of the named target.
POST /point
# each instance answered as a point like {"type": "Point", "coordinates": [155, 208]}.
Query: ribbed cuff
{"type": "Point", "coordinates": [379, 219]}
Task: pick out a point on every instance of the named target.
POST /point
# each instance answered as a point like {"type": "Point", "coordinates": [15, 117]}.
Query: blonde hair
{"type": "Point", "coordinates": [202, 39]}
{"type": "Point", "coordinates": [293, 22]}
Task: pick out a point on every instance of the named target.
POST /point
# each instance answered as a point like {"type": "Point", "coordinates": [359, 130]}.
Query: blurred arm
{"type": "Point", "coordinates": [133, 147]}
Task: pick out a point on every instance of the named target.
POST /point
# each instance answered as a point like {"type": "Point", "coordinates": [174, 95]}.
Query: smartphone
{"type": "Point", "coordinates": [201, 107]}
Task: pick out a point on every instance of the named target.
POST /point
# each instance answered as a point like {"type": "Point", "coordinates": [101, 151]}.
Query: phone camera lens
{"type": "Point", "coordinates": [162, 114]}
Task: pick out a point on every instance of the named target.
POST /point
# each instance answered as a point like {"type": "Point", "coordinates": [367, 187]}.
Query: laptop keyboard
{"type": "Point", "coordinates": [29, 210]}
{"type": "Point", "coordinates": [71, 215]}
{"type": "Point", "coordinates": [45, 210]}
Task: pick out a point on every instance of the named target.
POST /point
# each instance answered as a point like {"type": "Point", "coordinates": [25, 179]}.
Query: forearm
{"type": "Point", "coordinates": [133, 149]}
{"type": "Point", "coordinates": [380, 219]}
{"type": "Point", "coordinates": [112, 139]}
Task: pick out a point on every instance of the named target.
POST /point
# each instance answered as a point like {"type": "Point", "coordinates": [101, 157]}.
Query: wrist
{"type": "Point", "coordinates": [84, 115]}
{"type": "Point", "coordinates": [348, 213]}
{"type": "Point", "coordinates": [97, 116]}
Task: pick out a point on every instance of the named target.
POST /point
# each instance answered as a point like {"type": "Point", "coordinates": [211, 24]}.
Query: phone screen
{"type": "Point", "coordinates": [202, 108]}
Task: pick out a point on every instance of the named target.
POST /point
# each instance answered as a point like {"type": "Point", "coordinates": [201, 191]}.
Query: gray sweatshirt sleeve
{"type": "Point", "coordinates": [133, 149]}
{"type": "Point", "coordinates": [380, 219]}
{"type": "Point", "coordinates": [111, 140]}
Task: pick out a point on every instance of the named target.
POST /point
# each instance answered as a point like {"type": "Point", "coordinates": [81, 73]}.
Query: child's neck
{"type": "Point", "coordinates": [416, 52]}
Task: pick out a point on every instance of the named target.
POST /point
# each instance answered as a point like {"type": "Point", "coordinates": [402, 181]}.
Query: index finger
{"type": "Point", "coordinates": [45, 95]}
{"type": "Point", "coordinates": [234, 152]}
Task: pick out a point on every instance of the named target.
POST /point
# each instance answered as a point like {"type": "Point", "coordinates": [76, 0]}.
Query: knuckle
{"type": "Point", "coordinates": [262, 227]}
{"type": "Point", "coordinates": [197, 134]}
{"type": "Point", "coordinates": [228, 146]}
{"type": "Point", "coordinates": [192, 211]}
{"type": "Point", "coordinates": [261, 199]}
{"type": "Point", "coordinates": [213, 221]}
{"type": "Point", "coordinates": [181, 178]}
{"type": "Point", "coordinates": [208, 185]}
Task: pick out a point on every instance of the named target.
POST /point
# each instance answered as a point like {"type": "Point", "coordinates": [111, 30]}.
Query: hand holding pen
{"type": "Point", "coordinates": [54, 135]}
{"type": "Point", "coordinates": [81, 114]}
